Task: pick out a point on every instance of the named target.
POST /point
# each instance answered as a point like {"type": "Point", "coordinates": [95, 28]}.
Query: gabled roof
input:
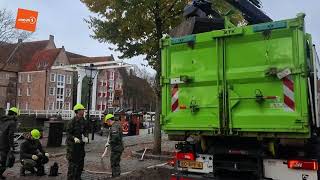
{"type": "Point", "coordinates": [22, 56]}
{"type": "Point", "coordinates": [42, 60]}
{"type": "Point", "coordinates": [84, 60]}
{"type": "Point", "coordinates": [74, 55]}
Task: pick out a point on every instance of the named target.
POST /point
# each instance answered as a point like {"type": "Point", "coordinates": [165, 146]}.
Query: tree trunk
{"type": "Point", "coordinates": [157, 128]}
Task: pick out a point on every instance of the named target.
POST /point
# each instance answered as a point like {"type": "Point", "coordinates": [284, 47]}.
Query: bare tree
{"type": "Point", "coordinates": [8, 32]}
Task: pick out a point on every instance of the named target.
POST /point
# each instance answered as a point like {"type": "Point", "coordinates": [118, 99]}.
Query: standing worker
{"type": "Point", "coordinates": [77, 136]}
{"type": "Point", "coordinates": [7, 130]}
{"type": "Point", "coordinates": [115, 143]}
{"type": "Point", "coordinates": [32, 155]}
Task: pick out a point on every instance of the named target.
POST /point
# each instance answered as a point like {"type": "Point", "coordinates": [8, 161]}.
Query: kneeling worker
{"type": "Point", "coordinates": [32, 155]}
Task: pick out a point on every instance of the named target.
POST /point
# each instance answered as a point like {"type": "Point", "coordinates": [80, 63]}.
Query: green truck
{"type": "Point", "coordinates": [243, 100]}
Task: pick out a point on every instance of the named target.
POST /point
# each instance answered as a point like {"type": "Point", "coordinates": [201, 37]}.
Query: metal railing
{"type": "Point", "coordinates": [64, 114]}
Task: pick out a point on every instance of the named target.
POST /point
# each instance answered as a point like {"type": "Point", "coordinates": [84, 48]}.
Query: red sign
{"type": "Point", "coordinates": [26, 20]}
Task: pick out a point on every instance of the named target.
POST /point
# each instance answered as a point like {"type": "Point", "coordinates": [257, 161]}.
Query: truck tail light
{"type": "Point", "coordinates": [303, 164]}
{"type": "Point", "coordinates": [185, 156]}
{"type": "Point", "coordinates": [181, 156]}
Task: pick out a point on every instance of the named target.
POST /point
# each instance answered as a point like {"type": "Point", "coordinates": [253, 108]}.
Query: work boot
{"type": "Point", "coordinates": [40, 171]}
{"type": "Point", "coordinates": [22, 171]}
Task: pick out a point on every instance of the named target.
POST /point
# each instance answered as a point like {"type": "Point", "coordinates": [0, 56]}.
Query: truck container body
{"type": "Point", "coordinates": [243, 100]}
{"type": "Point", "coordinates": [245, 81]}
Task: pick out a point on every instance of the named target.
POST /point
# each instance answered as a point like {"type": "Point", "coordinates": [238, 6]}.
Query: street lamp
{"type": "Point", "coordinates": [91, 73]}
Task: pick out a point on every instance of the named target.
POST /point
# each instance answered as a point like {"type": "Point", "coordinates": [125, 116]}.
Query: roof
{"type": "Point", "coordinates": [23, 55]}
{"type": "Point", "coordinates": [74, 55]}
{"type": "Point", "coordinates": [84, 60]}
{"type": "Point", "coordinates": [42, 60]}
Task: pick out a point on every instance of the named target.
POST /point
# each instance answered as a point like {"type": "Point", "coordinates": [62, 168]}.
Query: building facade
{"type": "Point", "coordinates": [29, 82]}
{"type": "Point", "coordinates": [40, 88]}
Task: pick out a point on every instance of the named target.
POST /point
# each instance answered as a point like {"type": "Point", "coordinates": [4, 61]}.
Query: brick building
{"type": "Point", "coordinates": [28, 81]}
{"type": "Point", "coordinates": [12, 59]}
{"type": "Point", "coordinates": [40, 88]}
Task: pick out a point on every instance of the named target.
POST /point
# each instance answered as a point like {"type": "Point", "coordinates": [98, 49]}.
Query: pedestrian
{"type": "Point", "coordinates": [77, 136]}
{"type": "Point", "coordinates": [32, 156]}
{"type": "Point", "coordinates": [115, 143]}
{"type": "Point", "coordinates": [7, 130]}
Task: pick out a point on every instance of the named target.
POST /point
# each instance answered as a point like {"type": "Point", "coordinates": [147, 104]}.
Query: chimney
{"type": "Point", "coordinates": [51, 37]}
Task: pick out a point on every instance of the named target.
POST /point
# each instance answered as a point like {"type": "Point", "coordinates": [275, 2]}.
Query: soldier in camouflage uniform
{"type": "Point", "coordinates": [7, 129]}
{"type": "Point", "coordinates": [77, 136]}
{"type": "Point", "coordinates": [32, 155]}
{"type": "Point", "coordinates": [116, 144]}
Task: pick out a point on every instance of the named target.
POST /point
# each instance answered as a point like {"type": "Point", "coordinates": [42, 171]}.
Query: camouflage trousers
{"type": "Point", "coordinates": [3, 160]}
{"type": "Point", "coordinates": [75, 157]}
{"type": "Point", "coordinates": [29, 165]}
{"type": "Point", "coordinates": [115, 159]}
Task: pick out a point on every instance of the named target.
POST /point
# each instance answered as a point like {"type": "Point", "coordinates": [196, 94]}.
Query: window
{"type": "Point", "coordinates": [19, 92]}
{"type": "Point", "coordinates": [69, 79]}
{"type": "Point", "coordinates": [59, 104]}
{"type": "Point", "coordinates": [112, 75]}
{"type": "Point", "coordinates": [68, 92]}
{"type": "Point", "coordinates": [60, 93]}
{"type": "Point", "coordinates": [20, 78]}
{"type": "Point", "coordinates": [67, 106]}
{"type": "Point", "coordinates": [29, 79]}
{"type": "Point", "coordinates": [51, 106]}
{"type": "Point", "coordinates": [53, 77]}
{"type": "Point", "coordinates": [27, 105]}
{"type": "Point", "coordinates": [28, 92]}
{"type": "Point", "coordinates": [7, 76]}
{"type": "Point", "coordinates": [52, 91]}
{"type": "Point", "coordinates": [61, 80]}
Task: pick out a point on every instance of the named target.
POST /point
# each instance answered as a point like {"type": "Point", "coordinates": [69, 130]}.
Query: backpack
{"type": "Point", "coordinates": [54, 169]}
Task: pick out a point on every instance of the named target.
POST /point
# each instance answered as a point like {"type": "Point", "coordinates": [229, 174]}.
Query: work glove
{"type": "Point", "coordinates": [46, 154]}
{"type": "Point", "coordinates": [76, 140]}
{"type": "Point", "coordinates": [12, 148]}
{"type": "Point", "coordinates": [35, 157]}
{"type": "Point", "coordinates": [85, 140]}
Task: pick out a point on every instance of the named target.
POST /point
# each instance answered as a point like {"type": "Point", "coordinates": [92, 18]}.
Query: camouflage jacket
{"type": "Point", "coordinates": [116, 137]}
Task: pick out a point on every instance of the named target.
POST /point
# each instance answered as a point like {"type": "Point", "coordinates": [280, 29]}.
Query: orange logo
{"type": "Point", "coordinates": [26, 20]}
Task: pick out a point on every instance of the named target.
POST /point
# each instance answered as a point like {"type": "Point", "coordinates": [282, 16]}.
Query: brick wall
{"type": "Point", "coordinates": [32, 90]}
{"type": "Point", "coordinates": [7, 88]}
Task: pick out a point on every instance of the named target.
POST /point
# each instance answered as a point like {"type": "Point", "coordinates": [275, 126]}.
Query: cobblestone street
{"type": "Point", "coordinates": [95, 168]}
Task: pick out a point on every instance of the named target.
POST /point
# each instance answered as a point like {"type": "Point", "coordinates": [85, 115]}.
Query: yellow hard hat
{"type": "Point", "coordinates": [15, 110]}
{"type": "Point", "coordinates": [35, 134]}
{"type": "Point", "coordinates": [78, 106]}
{"type": "Point", "coordinates": [108, 116]}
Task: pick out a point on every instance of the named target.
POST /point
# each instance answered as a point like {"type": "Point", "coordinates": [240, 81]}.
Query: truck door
{"type": "Point", "coordinates": [190, 98]}
{"type": "Point", "coordinates": [266, 85]}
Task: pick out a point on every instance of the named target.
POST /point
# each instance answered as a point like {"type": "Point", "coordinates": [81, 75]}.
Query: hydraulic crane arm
{"type": "Point", "coordinates": [250, 10]}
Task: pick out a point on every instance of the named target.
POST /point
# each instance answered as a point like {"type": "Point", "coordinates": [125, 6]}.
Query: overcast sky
{"type": "Point", "coordinates": [64, 20]}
